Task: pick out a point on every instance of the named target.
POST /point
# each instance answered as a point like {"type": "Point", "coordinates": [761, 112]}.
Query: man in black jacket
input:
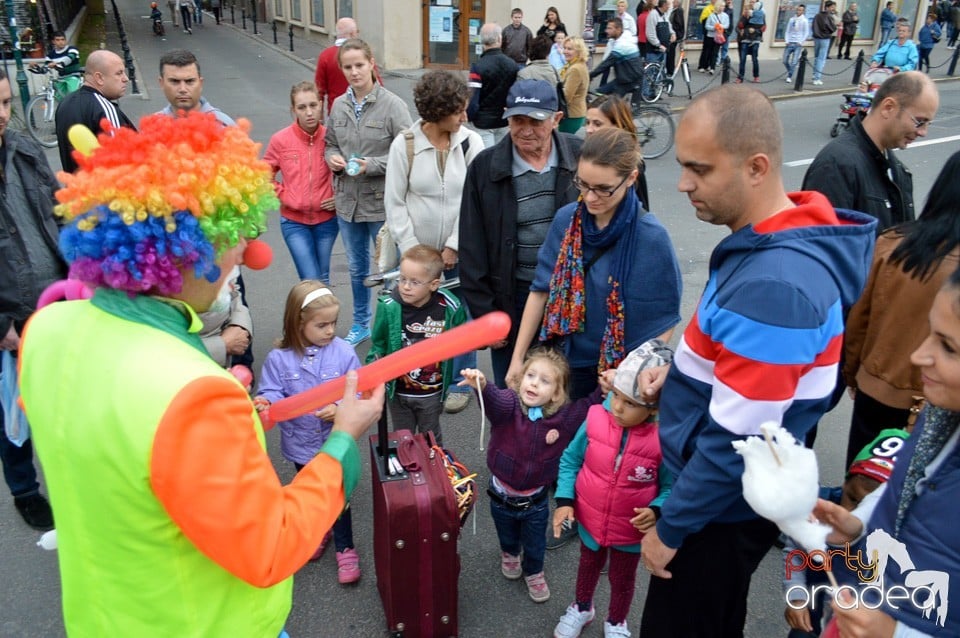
{"type": "Point", "coordinates": [511, 194]}
{"type": "Point", "coordinates": [859, 170]}
{"type": "Point", "coordinates": [679, 27]}
{"type": "Point", "coordinates": [31, 262]}
{"type": "Point", "coordinates": [104, 82]}
{"type": "Point", "coordinates": [490, 78]}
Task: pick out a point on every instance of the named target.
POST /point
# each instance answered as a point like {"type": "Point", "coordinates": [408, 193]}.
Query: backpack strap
{"type": "Point", "coordinates": [408, 136]}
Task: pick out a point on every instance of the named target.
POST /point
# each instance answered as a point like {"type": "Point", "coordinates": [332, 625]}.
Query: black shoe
{"type": "Point", "coordinates": [567, 532]}
{"type": "Point", "coordinates": [35, 511]}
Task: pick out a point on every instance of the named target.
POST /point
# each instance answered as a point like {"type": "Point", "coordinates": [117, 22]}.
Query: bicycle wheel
{"type": "Point", "coordinates": [652, 82]}
{"type": "Point", "coordinates": [655, 131]}
{"type": "Point", "coordinates": [40, 120]}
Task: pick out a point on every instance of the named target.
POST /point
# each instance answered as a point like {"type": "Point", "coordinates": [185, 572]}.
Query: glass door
{"type": "Point", "coordinates": [451, 33]}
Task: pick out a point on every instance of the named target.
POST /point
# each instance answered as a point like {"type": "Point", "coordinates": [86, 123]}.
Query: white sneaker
{"type": "Point", "coordinates": [573, 621]}
{"type": "Point", "coordinates": [789, 80]}
{"type": "Point", "coordinates": [615, 631]}
{"type": "Point", "coordinates": [818, 82]}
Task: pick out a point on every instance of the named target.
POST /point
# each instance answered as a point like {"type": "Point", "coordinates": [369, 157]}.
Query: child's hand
{"type": "Point", "coordinates": [327, 412]}
{"type": "Point", "coordinates": [644, 519]}
{"type": "Point", "coordinates": [473, 378]}
{"type": "Point", "coordinates": [261, 404]}
{"type": "Point", "coordinates": [606, 380]}
{"type": "Point", "coordinates": [561, 514]}
{"type": "Point", "coordinates": [798, 618]}
{"type": "Point", "coordinates": [846, 526]}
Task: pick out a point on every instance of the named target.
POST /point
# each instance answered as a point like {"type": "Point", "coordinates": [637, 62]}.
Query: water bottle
{"type": "Point", "coordinates": [353, 166]}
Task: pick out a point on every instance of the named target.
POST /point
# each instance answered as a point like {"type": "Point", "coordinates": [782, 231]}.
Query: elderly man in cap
{"type": "Point", "coordinates": [512, 191]}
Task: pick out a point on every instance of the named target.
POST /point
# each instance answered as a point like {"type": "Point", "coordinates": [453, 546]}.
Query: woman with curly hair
{"type": "Point", "coordinates": [426, 169]}
{"type": "Point", "coordinates": [576, 81]}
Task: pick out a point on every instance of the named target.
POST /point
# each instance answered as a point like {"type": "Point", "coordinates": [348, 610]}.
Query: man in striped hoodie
{"type": "Point", "coordinates": [763, 346]}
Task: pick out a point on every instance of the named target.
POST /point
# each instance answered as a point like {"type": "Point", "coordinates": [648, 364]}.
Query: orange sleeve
{"type": "Point", "coordinates": [219, 487]}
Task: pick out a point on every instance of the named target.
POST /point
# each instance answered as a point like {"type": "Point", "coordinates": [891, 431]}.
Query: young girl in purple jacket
{"type": "Point", "coordinates": [530, 427]}
{"type": "Point", "coordinates": [308, 354]}
{"type": "Point", "coordinates": [612, 479]}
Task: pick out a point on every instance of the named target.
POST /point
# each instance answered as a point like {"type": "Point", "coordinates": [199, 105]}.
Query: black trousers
{"type": "Point", "coordinates": [845, 40]}
{"type": "Point", "coordinates": [707, 596]}
{"type": "Point", "coordinates": [868, 418]}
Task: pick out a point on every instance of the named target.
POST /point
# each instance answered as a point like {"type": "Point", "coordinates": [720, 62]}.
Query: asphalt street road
{"type": "Point", "coordinates": [247, 79]}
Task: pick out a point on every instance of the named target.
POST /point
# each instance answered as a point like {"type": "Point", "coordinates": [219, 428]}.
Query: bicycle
{"type": "Point", "coordinates": [653, 82]}
{"type": "Point", "coordinates": [42, 107]}
{"type": "Point", "coordinates": [681, 66]}
{"type": "Point", "coordinates": [655, 130]}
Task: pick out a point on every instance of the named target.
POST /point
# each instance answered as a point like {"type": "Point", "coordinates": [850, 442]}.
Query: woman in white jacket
{"type": "Point", "coordinates": [422, 196]}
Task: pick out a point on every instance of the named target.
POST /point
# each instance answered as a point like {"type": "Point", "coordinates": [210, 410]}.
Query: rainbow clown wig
{"type": "Point", "coordinates": [145, 206]}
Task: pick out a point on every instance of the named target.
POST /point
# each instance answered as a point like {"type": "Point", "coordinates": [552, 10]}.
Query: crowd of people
{"type": "Point", "coordinates": [516, 214]}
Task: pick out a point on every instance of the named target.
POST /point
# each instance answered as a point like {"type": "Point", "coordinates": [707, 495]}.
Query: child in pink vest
{"type": "Point", "coordinates": [612, 480]}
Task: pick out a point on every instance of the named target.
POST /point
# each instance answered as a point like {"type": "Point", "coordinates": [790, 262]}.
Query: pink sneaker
{"type": "Point", "coordinates": [348, 566]}
{"type": "Point", "coordinates": [537, 588]}
{"type": "Point", "coordinates": [323, 546]}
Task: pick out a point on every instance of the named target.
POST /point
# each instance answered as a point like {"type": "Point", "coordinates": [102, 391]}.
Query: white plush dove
{"type": "Point", "coordinates": [781, 484]}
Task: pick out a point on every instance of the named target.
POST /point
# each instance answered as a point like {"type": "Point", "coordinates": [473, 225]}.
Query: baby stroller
{"type": "Point", "coordinates": [855, 104]}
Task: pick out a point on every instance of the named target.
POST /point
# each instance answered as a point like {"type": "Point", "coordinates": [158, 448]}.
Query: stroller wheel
{"type": "Point", "coordinates": [835, 129]}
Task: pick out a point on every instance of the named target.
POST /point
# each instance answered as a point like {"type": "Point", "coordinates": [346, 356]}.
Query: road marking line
{"type": "Point", "coordinates": [940, 140]}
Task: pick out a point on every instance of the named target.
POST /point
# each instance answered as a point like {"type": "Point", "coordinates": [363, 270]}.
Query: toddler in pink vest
{"type": "Point", "coordinates": [612, 480]}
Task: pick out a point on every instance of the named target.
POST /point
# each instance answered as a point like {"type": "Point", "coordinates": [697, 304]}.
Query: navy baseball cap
{"type": "Point", "coordinates": [533, 98]}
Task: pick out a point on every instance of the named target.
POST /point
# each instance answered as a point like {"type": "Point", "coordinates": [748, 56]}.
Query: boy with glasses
{"type": "Point", "coordinates": [415, 310]}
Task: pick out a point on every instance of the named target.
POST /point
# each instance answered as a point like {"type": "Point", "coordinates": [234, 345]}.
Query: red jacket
{"type": "Point", "coordinates": [307, 180]}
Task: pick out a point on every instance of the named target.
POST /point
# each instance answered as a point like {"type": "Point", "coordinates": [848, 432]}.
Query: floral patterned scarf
{"type": "Point", "coordinates": [565, 312]}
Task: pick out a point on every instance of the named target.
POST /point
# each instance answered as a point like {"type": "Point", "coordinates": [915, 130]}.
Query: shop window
{"type": "Point", "coordinates": [316, 12]}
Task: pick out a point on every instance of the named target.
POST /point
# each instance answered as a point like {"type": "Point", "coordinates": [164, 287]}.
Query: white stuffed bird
{"type": "Point", "coordinates": [781, 484]}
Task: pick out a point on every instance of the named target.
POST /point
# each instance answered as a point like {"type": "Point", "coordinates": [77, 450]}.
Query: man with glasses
{"type": "Point", "coordinates": [859, 171]}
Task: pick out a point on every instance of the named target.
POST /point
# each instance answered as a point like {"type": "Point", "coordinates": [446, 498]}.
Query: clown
{"type": "Point", "coordinates": [171, 520]}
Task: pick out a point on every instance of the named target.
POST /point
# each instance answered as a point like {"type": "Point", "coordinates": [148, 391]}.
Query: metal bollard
{"type": "Point", "coordinates": [274, 31]}
{"type": "Point", "coordinates": [233, 17]}
{"type": "Point", "coordinates": [243, 17]}
{"type": "Point", "coordinates": [953, 62]}
{"type": "Point", "coordinates": [725, 73]}
{"type": "Point", "coordinates": [858, 68]}
{"type": "Point", "coordinates": [801, 71]}
{"type": "Point", "coordinates": [253, 12]}
{"type": "Point", "coordinates": [290, 33]}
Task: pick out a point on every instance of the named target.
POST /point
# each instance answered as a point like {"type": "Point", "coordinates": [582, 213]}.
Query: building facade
{"type": "Point", "coordinates": [445, 33]}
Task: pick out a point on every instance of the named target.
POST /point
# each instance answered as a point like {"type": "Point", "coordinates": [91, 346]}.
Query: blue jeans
{"type": "Point", "coordinates": [791, 57]}
{"type": "Point", "coordinates": [749, 50]}
{"type": "Point", "coordinates": [469, 359]}
{"type": "Point", "coordinates": [310, 246]}
{"type": "Point", "coordinates": [357, 239]}
{"type": "Point", "coordinates": [884, 34]}
{"type": "Point", "coordinates": [342, 527]}
{"type": "Point", "coordinates": [198, 11]}
{"type": "Point", "coordinates": [523, 529]}
{"type": "Point", "coordinates": [18, 469]}
{"type": "Point", "coordinates": [820, 48]}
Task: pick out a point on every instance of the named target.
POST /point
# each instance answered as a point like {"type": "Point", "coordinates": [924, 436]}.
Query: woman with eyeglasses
{"type": "Point", "coordinates": [607, 278]}
{"type": "Point", "coordinates": [612, 110]}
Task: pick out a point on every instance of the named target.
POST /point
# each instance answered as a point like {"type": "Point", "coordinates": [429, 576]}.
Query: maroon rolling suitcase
{"type": "Point", "coordinates": [415, 532]}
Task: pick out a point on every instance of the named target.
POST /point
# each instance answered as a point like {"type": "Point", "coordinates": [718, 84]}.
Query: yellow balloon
{"type": "Point", "coordinates": [82, 139]}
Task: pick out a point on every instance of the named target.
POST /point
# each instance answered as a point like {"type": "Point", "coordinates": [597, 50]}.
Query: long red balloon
{"type": "Point", "coordinates": [481, 332]}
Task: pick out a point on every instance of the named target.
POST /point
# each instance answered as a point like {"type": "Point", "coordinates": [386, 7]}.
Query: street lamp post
{"type": "Point", "coordinates": [17, 56]}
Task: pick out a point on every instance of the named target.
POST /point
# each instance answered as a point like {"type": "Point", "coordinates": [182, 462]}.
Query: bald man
{"type": "Point", "coordinates": [329, 79]}
{"type": "Point", "coordinates": [104, 82]}
{"type": "Point", "coordinates": [763, 347]}
{"type": "Point", "coordinates": [859, 169]}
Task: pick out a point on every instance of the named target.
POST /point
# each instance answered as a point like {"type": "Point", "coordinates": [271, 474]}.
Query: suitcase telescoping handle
{"type": "Point", "coordinates": [382, 442]}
